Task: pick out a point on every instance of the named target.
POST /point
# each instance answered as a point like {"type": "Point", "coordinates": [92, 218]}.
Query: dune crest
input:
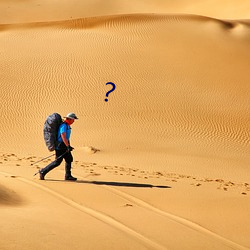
{"type": "Point", "coordinates": [117, 20]}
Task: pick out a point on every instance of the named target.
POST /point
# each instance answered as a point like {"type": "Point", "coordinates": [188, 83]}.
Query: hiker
{"type": "Point", "coordinates": [63, 149]}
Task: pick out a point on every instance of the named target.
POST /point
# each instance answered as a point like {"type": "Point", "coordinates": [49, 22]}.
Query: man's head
{"type": "Point", "coordinates": [70, 118]}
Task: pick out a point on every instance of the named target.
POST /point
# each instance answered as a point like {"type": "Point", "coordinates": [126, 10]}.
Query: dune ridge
{"type": "Point", "coordinates": [110, 20]}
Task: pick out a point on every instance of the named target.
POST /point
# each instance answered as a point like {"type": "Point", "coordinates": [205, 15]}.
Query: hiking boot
{"type": "Point", "coordinates": [41, 175]}
{"type": "Point", "coordinates": [70, 178]}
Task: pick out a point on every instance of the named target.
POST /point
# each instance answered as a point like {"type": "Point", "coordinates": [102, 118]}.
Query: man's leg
{"type": "Point", "coordinates": [68, 160]}
{"type": "Point", "coordinates": [52, 165]}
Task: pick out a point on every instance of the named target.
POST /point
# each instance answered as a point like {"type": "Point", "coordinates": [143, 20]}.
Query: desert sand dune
{"type": "Point", "coordinates": [164, 164]}
{"type": "Point", "coordinates": [198, 107]}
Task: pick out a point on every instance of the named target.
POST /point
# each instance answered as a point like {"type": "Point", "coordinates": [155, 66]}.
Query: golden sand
{"type": "Point", "coordinates": [164, 164]}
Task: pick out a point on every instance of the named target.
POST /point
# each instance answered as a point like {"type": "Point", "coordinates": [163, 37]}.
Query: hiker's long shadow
{"type": "Point", "coordinates": [122, 184]}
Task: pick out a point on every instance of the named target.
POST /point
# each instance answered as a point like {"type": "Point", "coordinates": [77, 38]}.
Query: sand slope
{"type": "Point", "coordinates": [192, 105]}
{"type": "Point", "coordinates": [174, 137]}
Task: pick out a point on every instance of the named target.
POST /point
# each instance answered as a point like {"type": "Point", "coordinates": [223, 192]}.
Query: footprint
{"type": "Point", "coordinates": [128, 205]}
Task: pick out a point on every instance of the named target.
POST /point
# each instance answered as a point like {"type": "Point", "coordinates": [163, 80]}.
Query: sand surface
{"type": "Point", "coordinates": [164, 164]}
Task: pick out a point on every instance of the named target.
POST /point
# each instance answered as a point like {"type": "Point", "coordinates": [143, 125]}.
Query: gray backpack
{"type": "Point", "coordinates": [50, 130]}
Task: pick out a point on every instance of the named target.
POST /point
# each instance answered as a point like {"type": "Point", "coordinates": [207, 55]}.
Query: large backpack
{"type": "Point", "coordinates": [50, 130]}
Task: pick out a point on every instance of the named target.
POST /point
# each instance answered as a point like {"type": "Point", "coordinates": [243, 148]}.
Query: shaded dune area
{"type": "Point", "coordinates": [9, 197]}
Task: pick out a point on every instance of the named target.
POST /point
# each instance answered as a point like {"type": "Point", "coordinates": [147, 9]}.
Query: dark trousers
{"type": "Point", "coordinates": [60, 155]}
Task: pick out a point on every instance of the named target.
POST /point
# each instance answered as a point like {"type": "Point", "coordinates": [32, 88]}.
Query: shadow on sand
{"type": "Point", "coordinates": [122, 184]}
{"type": "Point", "coordinates": [116, 184]}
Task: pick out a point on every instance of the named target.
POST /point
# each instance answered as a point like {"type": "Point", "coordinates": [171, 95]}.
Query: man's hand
{"type": "Point", "coordinates": [69, 148]}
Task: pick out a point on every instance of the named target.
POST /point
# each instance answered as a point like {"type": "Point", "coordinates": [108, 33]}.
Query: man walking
{"type": "Point", "coordinates": [63, 150]}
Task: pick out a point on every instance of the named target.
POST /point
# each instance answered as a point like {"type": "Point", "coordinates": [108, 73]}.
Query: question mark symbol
{"type": "Point", "coordinates": [110, 90]}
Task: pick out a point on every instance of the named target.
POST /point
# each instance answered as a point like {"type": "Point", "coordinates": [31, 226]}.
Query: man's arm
{"type": "Point", "coordinates": [66, 142]}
